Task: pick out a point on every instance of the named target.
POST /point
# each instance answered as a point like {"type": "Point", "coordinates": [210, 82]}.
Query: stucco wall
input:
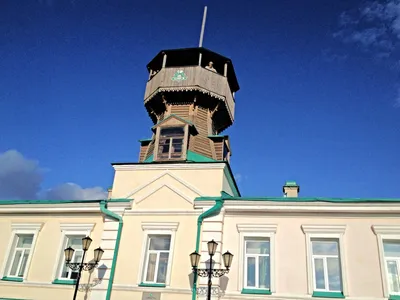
{"type": "Point", "coordinates": [45, 256]}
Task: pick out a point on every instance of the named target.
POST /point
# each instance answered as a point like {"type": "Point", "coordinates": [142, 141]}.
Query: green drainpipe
{"type": "Point", "coordinates": [114, 216]}
{"type": "Point", "coordinates": [215, 210]}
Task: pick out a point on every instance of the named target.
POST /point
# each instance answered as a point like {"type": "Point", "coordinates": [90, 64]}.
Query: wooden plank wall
{"type": "Point", "coordinates": [142, 153]}
{"type": "Point", "coordinates": [219, 149]}
{"type": "Point", "coordinates": [181, 110]}
{"type": "Point", "coordinates": [201, 142]}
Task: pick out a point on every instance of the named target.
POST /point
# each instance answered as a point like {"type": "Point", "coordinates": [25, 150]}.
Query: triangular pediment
{"type": "Point", "coordinates": [164, 196]}
{"type": "Point", "coordinates": [173, 120]}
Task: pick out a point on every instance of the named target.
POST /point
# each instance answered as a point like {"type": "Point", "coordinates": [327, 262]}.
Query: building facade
{"type": "Point", "coordinates": [182, 194]}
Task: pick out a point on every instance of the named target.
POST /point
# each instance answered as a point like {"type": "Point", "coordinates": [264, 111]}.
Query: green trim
{"type": "Point", "coordinates": [394, 297]}
{"type": "Point", "coordinates": [112, 215]}
{"type": "Point", "coordinates": [145, 140]}
{"type": "Point", "coordinates": [310, 199]}
{"type": "Point", "coordinates": [215, 210]}
{"type": "Point", "coordinates": [195, 157]}
{"type": "Point", "coordinates": [119, 200]}
{"type": "Point", "coordinates": [64, 281]}
{"type": "Point", "coordinates": [256, 292]}
{"type": "Point", "coordinates": [291, 183]}
{"type": "Point", "coordinates": [149, 159]}
{"type": "Point", "coordinates": [143, 284]}
{"type": "Point", "coordinates": [328, 294]}
{"type": "Point", "coordinates": [232, 183]}
{"type": "Point", "coordinates": [15, 279]}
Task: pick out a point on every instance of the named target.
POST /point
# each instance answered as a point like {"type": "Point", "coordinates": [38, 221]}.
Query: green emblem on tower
{"type": "Point", "coordinates": [179, 76]}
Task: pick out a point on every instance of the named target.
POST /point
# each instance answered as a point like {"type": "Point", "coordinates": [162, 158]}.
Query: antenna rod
{"type": "Point", "coordinates": [202, 26]}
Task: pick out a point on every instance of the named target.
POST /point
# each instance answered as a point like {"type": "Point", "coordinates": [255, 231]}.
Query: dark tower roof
{"type": "Point", "coordinates": [190, 57]}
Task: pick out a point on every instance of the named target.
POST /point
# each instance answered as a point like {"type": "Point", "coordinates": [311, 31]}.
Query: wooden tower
{"type": "Point", "coordinates": [190, 97]}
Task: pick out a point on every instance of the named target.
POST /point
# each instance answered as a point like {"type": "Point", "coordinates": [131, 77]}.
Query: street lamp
{"type": "Point", "coordinates": [210, 272]}
{"type": "Point", "coordinates": [79, 266]}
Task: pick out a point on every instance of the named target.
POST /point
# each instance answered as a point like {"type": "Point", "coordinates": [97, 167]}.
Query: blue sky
{"type": "Point", "coordinates": [319, 91]}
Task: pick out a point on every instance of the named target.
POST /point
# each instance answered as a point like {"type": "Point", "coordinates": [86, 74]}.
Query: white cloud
{"type": "Point", "coordinates": [21, 178]}
{"type": "Point", "coordinates": [374, 28]}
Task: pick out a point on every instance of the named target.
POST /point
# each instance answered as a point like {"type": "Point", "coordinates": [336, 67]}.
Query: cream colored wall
{"type": "Point", "coordinates": [130, 255]}
{"type": "Point", "coordinates": [45, 255]}
{"type": "Point", "coordinates": [360, 244]}
{"type": "Point", "coordinates": [207, 181]}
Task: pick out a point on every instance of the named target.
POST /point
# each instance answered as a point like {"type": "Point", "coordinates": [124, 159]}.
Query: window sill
{"type": "Point", "coordinates": [64, 281]}
{"type": "Point", "coordinates": [256, 291]}
{"type": "Point", "coordinates": [160, 285]}
{"type": "Point", "coordinates": [15, 279]}
{"type": "Point", "coordinates": [328, 295]}
{"type": "Point", "coordinates": [394, 297]}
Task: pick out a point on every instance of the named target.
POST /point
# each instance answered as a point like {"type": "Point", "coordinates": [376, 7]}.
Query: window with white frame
{"type": "Point", "coordinates": [391, 249]}
{"type": "Point", "coordinates": [325, 258]}
{"type": "Point", "coordinates": [257, 256]}
{"type": "Point", "coordinates": [157, 252]}
{"type": "Point", "coordinates": [388, 237]}
{"type": "Point", "coordinates": [71, 236]}
{"type": "Point", "coordinates": [20, 249]}
{"type": "Point", "coordinates": [74, 241]}
{"type": "Point", "coordinates": [19, 255]}
{"type": "Point", "coordinates": [326, 265]}
{"type": "Point", "coordinates": [257, 263]}
{"type": "Point", "coordinates": [157, 256]}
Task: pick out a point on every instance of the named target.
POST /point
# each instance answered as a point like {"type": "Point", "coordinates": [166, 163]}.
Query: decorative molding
{"type": "Point", "coordinates": [157, 228]}
{"type": "Point", "coordinates": [269, 228]}
{"type": "Point", "coordinates": [175, 190]}
{"type": "Point", "coordinates": [183, 182]}
{"type": "Point", "coordinates": [137, 288]}
{"type": "Point", "coordinates": [26, 226]}
{"type": "Point", "coordinates": [140, 212]}
{"type": "Point", "coordinates": [77, 226]}
{"type": "Point", "coordinates": [50, 208]}
{"type": "Point", "coordinates": [173, 226]}
{"type": "Point", "coordinates": [257, 231]}
{"type": "Point", "coordinates": [324, 229]}
{"type": "Point", "coordinates": [266, 206]}
{"type": "Point", "coordinates": [386, 229]}
{"type": "Point", "coordinates": [172, 166]}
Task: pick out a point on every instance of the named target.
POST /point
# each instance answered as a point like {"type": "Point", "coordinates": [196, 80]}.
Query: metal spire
{"type": "Point", "coordinates": [202, 27]}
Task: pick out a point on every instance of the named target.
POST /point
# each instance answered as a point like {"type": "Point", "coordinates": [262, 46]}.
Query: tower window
{"type": "Point", "coordinates": [170, 145]}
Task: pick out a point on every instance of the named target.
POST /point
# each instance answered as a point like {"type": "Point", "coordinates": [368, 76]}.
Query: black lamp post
{"type": "Point", "coordinates": [210, 272]}
{"type": "Point", "coordinates": [79, 266]}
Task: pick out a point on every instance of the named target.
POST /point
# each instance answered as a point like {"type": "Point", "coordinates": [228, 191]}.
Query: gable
{"type": "Point", "coordinates": [165, 197]}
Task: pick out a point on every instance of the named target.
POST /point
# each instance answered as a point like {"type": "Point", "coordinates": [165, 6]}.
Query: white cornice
{"type": "Point", "coordinates": [256, 227]}
{"type": "Point", "coordinates": [27, 226]}
{"type": "Point", "coordinates": [166, 173]}
{"type": "Point", "coordinates": [386, 229]}
{"type": "Point", "coordinates": [50, 208]}
{"type": "Point", "coordinates": [323, 228]}
{"type": "Point", "coordinates": [76, 226]}
{"type": "Point", "coordinates": [160, 226]}
{"type": "Point", "coordinates": [183, 166]}
{"type": "Point", "coordinates": [172, 212]}
{"type": "Point", "coordinates": [243, 206]}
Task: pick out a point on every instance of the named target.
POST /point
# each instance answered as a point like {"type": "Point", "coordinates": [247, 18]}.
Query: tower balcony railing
{"type": "Point", "coordinates": [191, 78]}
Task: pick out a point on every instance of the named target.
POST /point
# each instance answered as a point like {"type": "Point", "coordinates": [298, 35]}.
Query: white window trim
{"type": "Point", "coordinates": [69, 229]}
{"type": "Point", "coordinates": [385, 232]}
{"type": "Point", "coordinates": [157, 228]}
{"type": "Point", "coordinates": [21, 228]}
{"type": "Point", "coordinates": [325, 232]}
{"type": "Point", "coordinates": [257, 231]}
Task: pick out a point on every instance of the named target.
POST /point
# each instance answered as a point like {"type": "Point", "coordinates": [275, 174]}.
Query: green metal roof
{"type": "Point", "coordinates": [304, 199]}
{"type": "Point", "coordinates": [290, 183]}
